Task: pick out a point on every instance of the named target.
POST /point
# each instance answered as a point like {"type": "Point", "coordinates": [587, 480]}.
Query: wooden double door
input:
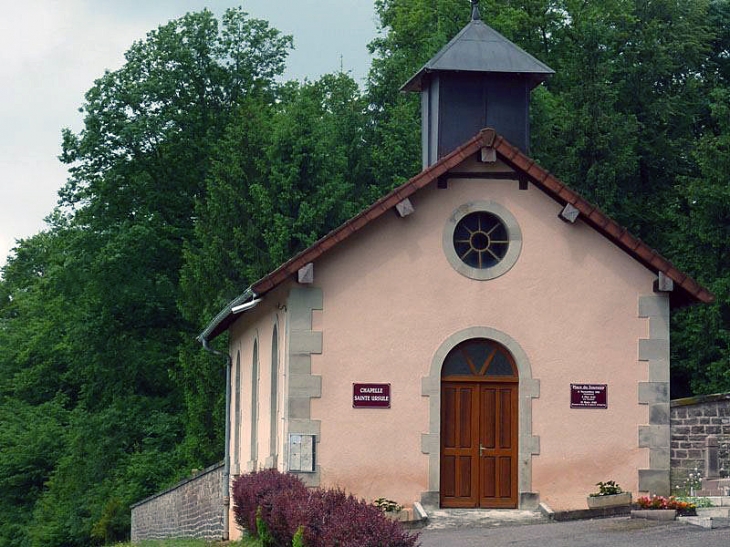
{"type": "Point", "coordinates": [479, 444]}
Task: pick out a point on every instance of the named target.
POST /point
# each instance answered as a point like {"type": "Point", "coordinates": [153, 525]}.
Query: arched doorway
{"type": "Point", "coordinates": [479, 426]}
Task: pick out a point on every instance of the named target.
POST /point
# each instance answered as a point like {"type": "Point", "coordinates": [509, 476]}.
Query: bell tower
{"type": "Point", "coordinates": [479, 79]}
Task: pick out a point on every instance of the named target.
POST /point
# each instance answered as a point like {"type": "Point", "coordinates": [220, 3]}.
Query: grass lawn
{"type": "Point", "coordinates": [245, 542]}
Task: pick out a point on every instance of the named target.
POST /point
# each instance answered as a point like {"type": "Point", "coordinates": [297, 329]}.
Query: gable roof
{"type": "Point", "coordinates": [480, 48]}
{"type": "Point", "coordinates": [686, 290]}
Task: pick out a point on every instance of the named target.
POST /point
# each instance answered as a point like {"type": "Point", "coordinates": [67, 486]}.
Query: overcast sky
{"type": "Point", "coordinates": [51, 51]}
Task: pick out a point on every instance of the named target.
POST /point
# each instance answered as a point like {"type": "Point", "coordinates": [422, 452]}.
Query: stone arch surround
{"type": "Point", "coordinates": [529, 388]}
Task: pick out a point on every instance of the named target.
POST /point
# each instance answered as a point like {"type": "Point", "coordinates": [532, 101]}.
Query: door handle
{"type": "Point", "coordinates": [481, 450]}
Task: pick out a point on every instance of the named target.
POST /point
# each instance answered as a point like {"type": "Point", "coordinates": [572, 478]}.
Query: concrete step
{"type": "Point", "coordinates": [714, 512]}
{"type": "Point", "coordinates": [481, 518]}
{"type": "Point", "coordinates": [715, 487]}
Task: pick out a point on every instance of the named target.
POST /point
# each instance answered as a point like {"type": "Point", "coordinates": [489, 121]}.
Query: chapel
{"type": "Point", "coordinates": [481, 336]}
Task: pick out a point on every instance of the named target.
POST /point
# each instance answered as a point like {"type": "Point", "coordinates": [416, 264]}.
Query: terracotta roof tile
{"type": "Point", "coordinates": [675, 274]}
{"type": "Point", "coordinates": [535, 172]}
{"type": "Point", "coordinates": [630, 241]}
{"type": "Point", "coordinates": [660, 263]}
{"type": "Point", "coordinates": [612, 228]}
{"type": "Point", "coordinates": [327, 243]}
{"type": "Point", "coordinates": [691, 285]}
{"type": "Point", "coordinates": [598, 218]}
{"type": "Point", "coordinates": [585, 208]}
{"type": "Point", "coordinates": [645, 253]}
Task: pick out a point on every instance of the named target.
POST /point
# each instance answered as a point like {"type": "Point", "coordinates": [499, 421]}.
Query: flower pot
{"type": "Point", "coordinates": [654, 514]}
{"type": "Point", "coordinates": [404, 515]}
{"type": "Point", "coordinates": [611, 500]}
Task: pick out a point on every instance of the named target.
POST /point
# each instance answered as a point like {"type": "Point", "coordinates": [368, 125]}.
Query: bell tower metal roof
{"type": "Point", "coordinates": [480, 48]}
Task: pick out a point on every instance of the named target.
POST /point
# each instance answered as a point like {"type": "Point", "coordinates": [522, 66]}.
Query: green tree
{"type": "Point", "coordinates": [701, 347]}
{"type": "Point", "coordinates": [89, 322]}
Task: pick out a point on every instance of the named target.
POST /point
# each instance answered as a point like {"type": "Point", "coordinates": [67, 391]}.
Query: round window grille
{"type": "Point", "coordinates": [481, 240]}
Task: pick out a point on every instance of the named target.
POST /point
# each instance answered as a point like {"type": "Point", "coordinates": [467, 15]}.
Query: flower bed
{"type": "Point", "coordinates": [682, 508]}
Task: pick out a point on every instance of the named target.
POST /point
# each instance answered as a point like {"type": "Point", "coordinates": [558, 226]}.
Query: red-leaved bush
{"type": "Point", "coordinates": [349, 522]}
{"type": "Point", "coordinates": [328, 518]}
{"type": "Point", "coordinates": [260, 490]}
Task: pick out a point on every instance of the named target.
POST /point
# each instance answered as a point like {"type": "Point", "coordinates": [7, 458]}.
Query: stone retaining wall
{"type": "Point", "coordinates": [193, 508]}
{"type": "Point", "coordinates": [694, 419]}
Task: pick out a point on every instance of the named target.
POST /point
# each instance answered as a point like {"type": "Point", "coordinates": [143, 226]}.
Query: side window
{"type": "Point", "coordinates": [237, 416]}
{"type": "Point", "coordinates": [274, 394]}
{"type": "Point", "coordinates": [255, 403]}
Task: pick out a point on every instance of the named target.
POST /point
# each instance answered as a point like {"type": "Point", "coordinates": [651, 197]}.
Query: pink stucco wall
{"type": "Point", "coordinates": [258, 326]}
{"type": "Point", "coordinates": [391, 298]}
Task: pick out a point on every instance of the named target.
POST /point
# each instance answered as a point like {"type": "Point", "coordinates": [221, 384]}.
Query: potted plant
{"type": "Point", "coordinates": [393, 510]}
{"type": "Point", "coordinates": [609, 494]}
{"type": "Point", "coordinates": [661, 508]}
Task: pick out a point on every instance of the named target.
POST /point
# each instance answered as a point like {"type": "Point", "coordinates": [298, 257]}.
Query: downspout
{"type": "Point", "coordinates": [225, 483]}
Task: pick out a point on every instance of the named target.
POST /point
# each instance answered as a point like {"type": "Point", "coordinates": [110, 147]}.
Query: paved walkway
{"type": "Point", "coordinates": [526, 529]}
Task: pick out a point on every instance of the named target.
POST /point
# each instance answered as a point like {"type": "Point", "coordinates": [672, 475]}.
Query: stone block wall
{"type": "Point", "coordinates": [193, 508]}
{"type": "Point", "coordinates": [694, 419]}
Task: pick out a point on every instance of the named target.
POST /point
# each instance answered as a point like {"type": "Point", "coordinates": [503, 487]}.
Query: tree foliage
{"type": "Point", "coordinates": [90, 321]}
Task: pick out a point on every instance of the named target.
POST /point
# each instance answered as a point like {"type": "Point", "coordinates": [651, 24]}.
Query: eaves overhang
{"type": "Point", "coordinates": [225, 318]}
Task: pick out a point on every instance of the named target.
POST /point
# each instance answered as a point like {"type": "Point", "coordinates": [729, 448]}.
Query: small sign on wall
{"type": "Point", "coordinates": [370, 395]}
{"type": "Point", "coordinates": [588, 395]}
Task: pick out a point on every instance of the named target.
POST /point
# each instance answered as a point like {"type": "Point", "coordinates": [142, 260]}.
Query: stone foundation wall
{"type": "Point", "coordinates": [193, 508]}
{"type": "Point", "coordinates": [694, 419]}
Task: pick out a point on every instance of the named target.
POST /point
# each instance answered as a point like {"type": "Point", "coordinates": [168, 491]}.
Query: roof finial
{"type": "Point", "coordinates": [475, 10]}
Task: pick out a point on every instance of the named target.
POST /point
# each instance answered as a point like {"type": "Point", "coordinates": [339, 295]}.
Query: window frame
{"type": "Point", "coordinates": [514, 236]}
{"type": "Point", "coordinates": [481, 376]}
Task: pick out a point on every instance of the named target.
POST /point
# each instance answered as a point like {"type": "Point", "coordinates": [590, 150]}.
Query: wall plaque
{"type": "Point", "coordinates": [370, 395]}
{"type": "Point", "coordinates": [588, 395]}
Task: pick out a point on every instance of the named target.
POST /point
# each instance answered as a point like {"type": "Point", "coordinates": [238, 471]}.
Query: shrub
{"type": "Point", "coordinates": [262, 530]}
{"type": "Point", "coordinates": [257, 490]}
{"type": "Point", "coordinates": [287, 510]}
{"type": "Point", "coordinates": [354, 523]}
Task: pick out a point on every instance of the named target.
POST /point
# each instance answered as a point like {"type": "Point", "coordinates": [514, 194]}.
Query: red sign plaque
{"type": "Point", "coordinates": [588, 395]}
{"type": "Point", "coordinates": [370, 395]}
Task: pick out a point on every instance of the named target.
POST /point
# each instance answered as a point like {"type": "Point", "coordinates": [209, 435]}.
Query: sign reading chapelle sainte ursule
{"type": "Point", "coordinates": [371, 395]}
{"type": "Point", "coordinates": [588, 395]}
